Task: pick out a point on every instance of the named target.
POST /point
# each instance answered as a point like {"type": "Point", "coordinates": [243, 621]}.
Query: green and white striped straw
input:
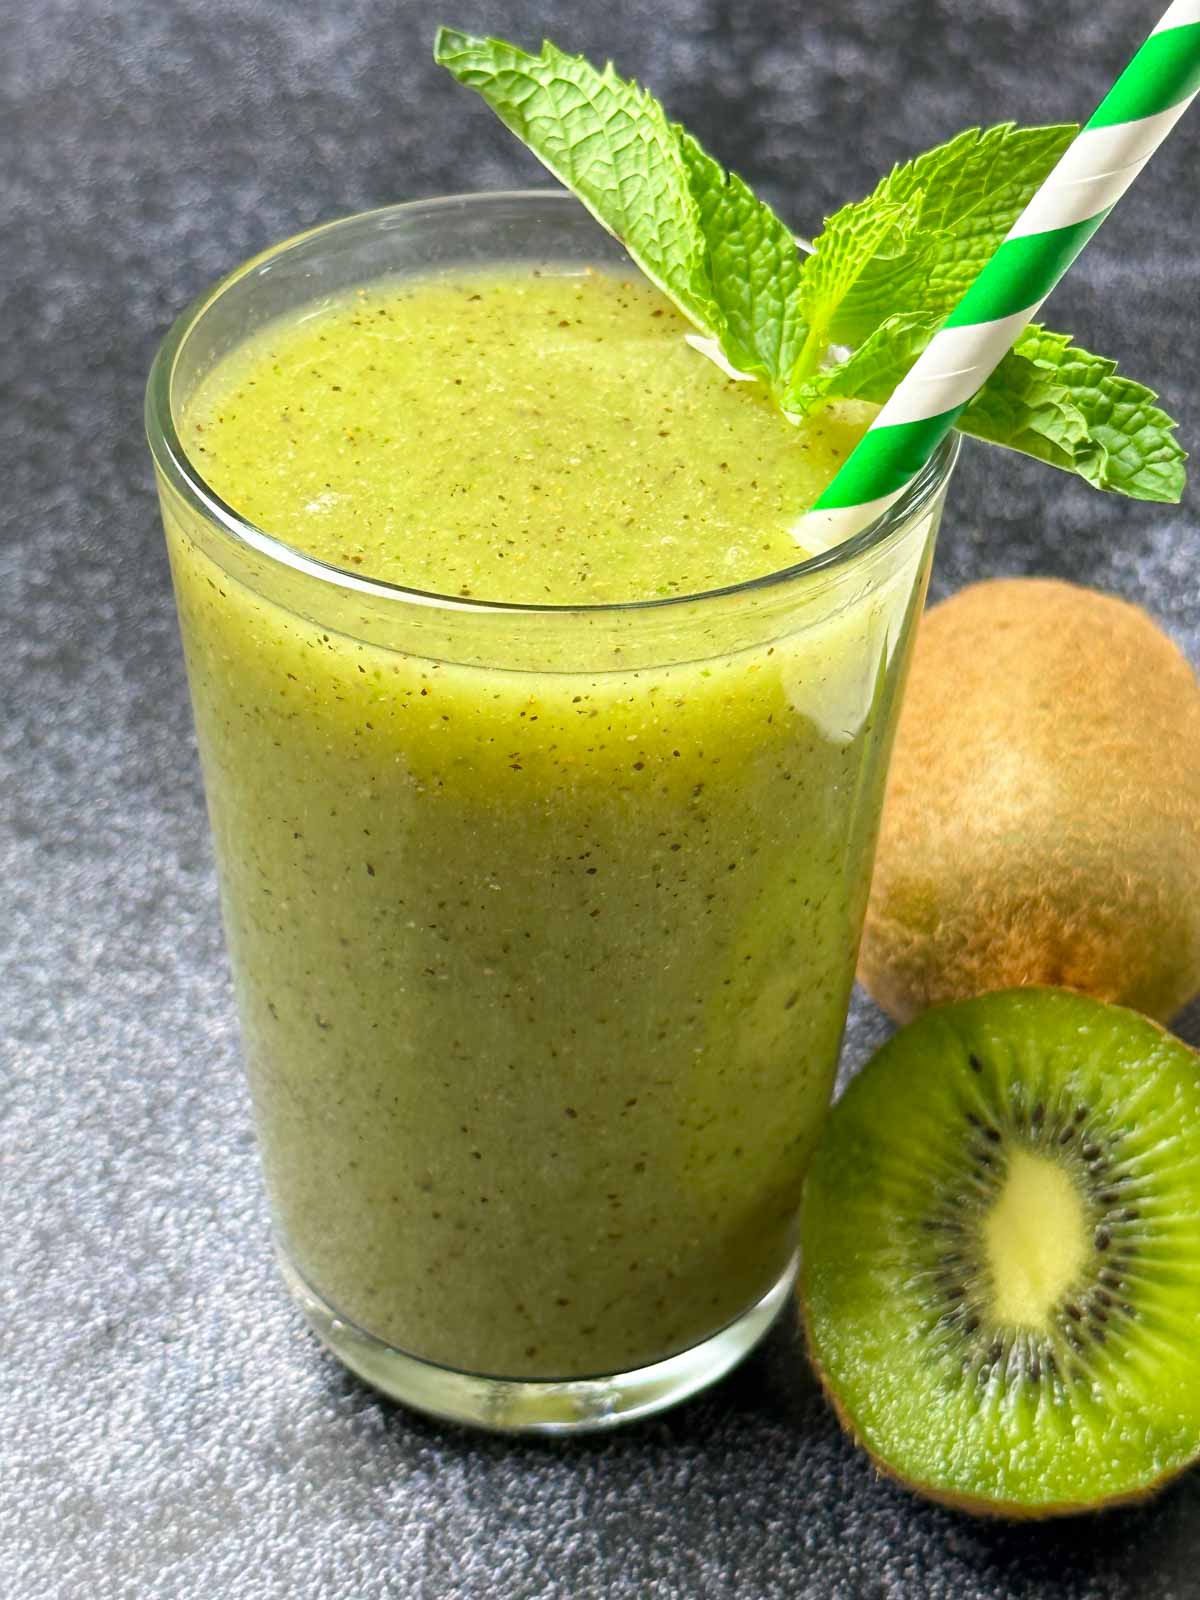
{"type": "Point", "coordinates": [1129, 124]}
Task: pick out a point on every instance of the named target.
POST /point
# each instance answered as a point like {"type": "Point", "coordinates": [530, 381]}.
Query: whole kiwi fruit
{"type": "Point", "coordinates": [1042, 822]}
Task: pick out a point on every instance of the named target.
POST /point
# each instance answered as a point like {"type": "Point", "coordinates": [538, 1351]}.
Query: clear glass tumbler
{"type": "Point", "coordinates": [543, 920]}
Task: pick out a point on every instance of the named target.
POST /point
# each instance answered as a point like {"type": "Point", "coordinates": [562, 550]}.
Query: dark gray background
{"type": "Point", "coordinates": [167, 1426]}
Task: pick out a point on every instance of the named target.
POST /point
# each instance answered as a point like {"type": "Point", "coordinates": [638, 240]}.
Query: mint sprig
{"type": "Point", "coordinates": [884, 272]}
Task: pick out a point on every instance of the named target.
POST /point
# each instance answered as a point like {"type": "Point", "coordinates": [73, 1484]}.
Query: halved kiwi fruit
{"type": "Point", "coordinates": [1001, 1246]}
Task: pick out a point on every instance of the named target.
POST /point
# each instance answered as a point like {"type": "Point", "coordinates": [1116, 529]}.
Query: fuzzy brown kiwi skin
{"type": "Point", "coordinates": [972, 1505]}
{"type": "Point", "coordinates": [1042, 822]}
{"type": "Point", "coordinates": [975, 1505]}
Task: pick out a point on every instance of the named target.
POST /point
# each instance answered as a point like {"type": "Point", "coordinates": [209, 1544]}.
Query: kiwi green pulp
{"type": "Point", "coordinates": [1001, 1246]}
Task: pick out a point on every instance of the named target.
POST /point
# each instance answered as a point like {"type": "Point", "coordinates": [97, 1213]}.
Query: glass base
{"type": "Point", "coordinates": [526, 1405]}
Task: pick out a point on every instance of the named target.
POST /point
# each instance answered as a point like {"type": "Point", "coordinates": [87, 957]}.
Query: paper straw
{"type": "Point", "coordinates": [1127, 127]}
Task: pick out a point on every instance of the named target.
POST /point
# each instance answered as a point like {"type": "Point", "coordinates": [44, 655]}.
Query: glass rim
{"type": "Point", "coordinates": [185, 476]}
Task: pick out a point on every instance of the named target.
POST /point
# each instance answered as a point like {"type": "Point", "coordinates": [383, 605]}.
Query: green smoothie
{"type": "Point", "coordinates": [543, 958]}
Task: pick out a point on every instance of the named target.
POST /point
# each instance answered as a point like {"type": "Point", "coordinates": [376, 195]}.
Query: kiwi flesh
{"type": "Point", "coordinates": [1001, 1248]}
{"type": "Point", "coordinates": [1042, 820]}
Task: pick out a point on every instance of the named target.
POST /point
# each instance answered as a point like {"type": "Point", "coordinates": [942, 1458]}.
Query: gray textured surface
{"type": "Point", "coordinates": [167, 1427]}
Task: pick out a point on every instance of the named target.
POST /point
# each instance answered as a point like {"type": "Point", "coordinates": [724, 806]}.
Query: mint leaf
{"type": "Point", "coordinates": [1022, 407]}
{"type": "Point", "coordinates": [964, 196]}
{"type": "Point", "coordinates": [1047, 398]}
{"type": "Point", "coordinates": [696, 231]}
{"type": "Point", "coordinates": [754, 268]}
{"type": "Point", "coordinates": [1129, 443]}
{"type": "Point", "coordinates": [851, 240]}
{"type": "Point", "coordinates": [610, 143]}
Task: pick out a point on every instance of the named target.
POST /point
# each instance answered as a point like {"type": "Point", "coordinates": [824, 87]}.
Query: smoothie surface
{"type": "Point", "coordinates": [538, 436]}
